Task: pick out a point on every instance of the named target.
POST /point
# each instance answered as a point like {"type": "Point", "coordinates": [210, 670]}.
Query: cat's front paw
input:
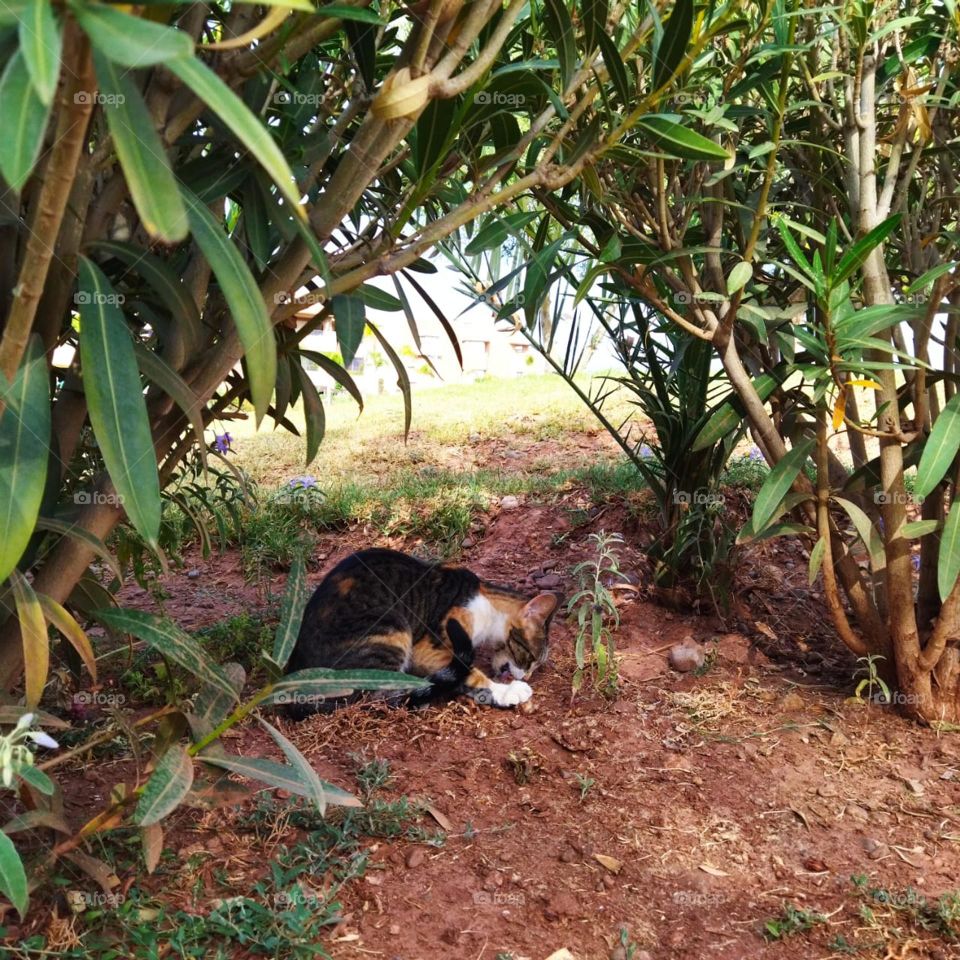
{"type": "Point", "coordinates": [511, 694]}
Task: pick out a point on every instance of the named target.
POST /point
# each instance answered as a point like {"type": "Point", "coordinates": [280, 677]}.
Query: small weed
{"type": "Point", "coordinates": [584, 783]}
{"type": "Point", "coordinates": [840, 944]}
{"type": "Point", "coordinates": [941, 916]}
{"type": "Point", "coordinates": [595, 611]}
{"type": "Point", "coordinates": [792, 921]}
{"type": "Point", "coordinates": [372, 775]}
{"type": "Point", "coordinates": [872, 679]}
{"type": "Point", "coordinates": [627, 946]}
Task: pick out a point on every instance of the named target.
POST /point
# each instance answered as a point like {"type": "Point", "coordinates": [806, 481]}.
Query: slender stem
{"type": "Point", "coordinates": [61, 170]}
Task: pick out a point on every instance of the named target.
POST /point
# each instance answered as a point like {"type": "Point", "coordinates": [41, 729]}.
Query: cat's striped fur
{"type": "Point", "coordinates": [385, 610]}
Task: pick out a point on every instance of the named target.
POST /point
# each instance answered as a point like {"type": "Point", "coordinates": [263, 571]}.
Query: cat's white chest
{"type": "Point", "coordinates": [489, 625]}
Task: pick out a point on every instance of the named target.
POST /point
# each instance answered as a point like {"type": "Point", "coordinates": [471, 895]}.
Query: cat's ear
{"type": "Point", "coordinates": [541, 608]}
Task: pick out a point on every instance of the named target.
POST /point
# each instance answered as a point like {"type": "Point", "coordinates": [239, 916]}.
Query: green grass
{"type": "Point", "coordinates": [370, 446]}
{"type": "Point", "coordinates": [430, 503]}
{"type": "Point", "coordinates": [792, 921]}
{"type": "Point", "coordinates": [287, 914]}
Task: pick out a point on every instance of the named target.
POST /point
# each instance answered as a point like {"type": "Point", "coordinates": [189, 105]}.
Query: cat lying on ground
{"type": "Point", "coordinates": [384, 610]}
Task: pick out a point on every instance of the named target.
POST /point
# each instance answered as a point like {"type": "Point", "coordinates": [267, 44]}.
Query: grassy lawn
{"type": "Point", "coordinates": [448, 421]}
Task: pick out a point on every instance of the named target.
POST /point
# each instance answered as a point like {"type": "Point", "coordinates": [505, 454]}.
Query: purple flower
{"type": "Point", "coordinates": [755, 453]}
{"type": "Point", "coordinates": [304, 482]}
{"type": "Point", "coordinates": [645, 450]}
{"type": "Point", "coordinates": [222, 442]}
{"type": "Point", "coordinates": [915, 560]}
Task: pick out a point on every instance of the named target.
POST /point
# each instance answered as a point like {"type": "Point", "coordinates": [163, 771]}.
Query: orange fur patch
{"type": "Point", "coordinates": [429, 658]}
{"type": "Point", "coordinates": [345, 585]}
{"type": "Point", "coordinates": [397, 638]}
{"type": "Point", "coordinates": [477, 678]}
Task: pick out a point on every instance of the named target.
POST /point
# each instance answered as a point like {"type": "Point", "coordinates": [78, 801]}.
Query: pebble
{"type": "Point", "coordinates": [509, 502]}
{"type": "Point", "coordinates": [193, 574]}
{"type": "Point", "coordinates": [549, 581]}
{"type": "Point", "coordinates": [856, 812]}
{"type": "Point", "coordinates": [687, 655]}
{"type": "Point", "coordinates": [415, 857]}
{"type": "Point", "coordinates": [394, 929]}
{"type": "Point", "coordinates": [468, 542]}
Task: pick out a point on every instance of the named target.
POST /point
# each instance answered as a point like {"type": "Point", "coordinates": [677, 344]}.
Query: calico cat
{"type": "Point", "coordinates": [385, 610]}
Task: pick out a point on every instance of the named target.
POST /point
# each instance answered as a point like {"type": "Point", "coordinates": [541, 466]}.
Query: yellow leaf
{"type": "Point", "coordinates": [872, 384]}
{"type": "Point", "coordinates": [36, 643]}
{"type": "Point", "coordinates": [838, 410]}
{"type": "Point", "coordinates": [60, 618]}
{"type": "Point", "coordinates": [267, 25]}
{"type": "Point", "coordinates": [611, 863]}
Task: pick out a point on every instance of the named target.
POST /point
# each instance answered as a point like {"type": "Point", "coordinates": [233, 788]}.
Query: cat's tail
{"type": "Point", "coordinates": [447, 682]}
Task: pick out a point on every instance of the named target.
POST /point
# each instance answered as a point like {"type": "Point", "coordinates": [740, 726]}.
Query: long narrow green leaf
{"type": "Point", "coordinates": [677, 141]}
{"type": "Point", "coordinates": [816, 560]}
{"type": "Point", "coordinates": [729, 414]}
{"type": "Point", "coordinates": [941, 448]}
{"type": "Point", "coordinates": [320, 683]}
{"type": "Point", "coordinates": [131, 41]}
{"type": "Point", "coordinates": [167, 285]}
{"type": "Point", "coordinates": [168, 639]}
{"type": "Point", "coordinates": [869, 534]}
{"type": "Point", "coordinates": [25, 120]}
{"type": "Point", "coordinates": [157, 370]}
{"type": "Point", "coordinates": [856, 256]}
{"type": "Point", "coordinates": [143, 159]}
{"type": "Point", "coordinates": [403, 378]}
{"type": "Point", "coordinates": [338, 373]}
{"type": "Point", "coordinates": [561, 30]}
{"type": "Point", "coordinates": [778, 483]}
{"type": "Point", "coordinates": [948, 559]}
{"type": "Point", "coordinates": [53, 525]}
{"type": "Point", "coordinates": [918, 529]}
{"type": "Point", "coordinates": [169, 783]}
{"type": "Point", "coordinates": [12, 12]}
{"type": "Point", "coordinates": [118, 411]}
{"type": "Point", "coordinates": [245, 126]}
{"type": "Point", "coordinates": [615, 68]}
{"type": "Point", "coordinates": [349, 313]}
{"type": "Point", "coordinates": [211, 705]}
{"type": "Point", "coordinates": [344, 11]}
{"type": "Point", "coordinates": [24, 454]}
{"type": "Point", "coordinates": [594, 17]}
{"type": "Point", "coordinates": [306, 773]}
{"type": "Point", "coordinates": [282, 777]}
{"type": "Point", "coordinates": [312, 412]}
{"type": "Point", "coordinates": [41, 40]}
{"type": "Point", "coordinates": [13, 878]}
{"type": "Point", "coordinates": [291, 612]}
{"type": "Point", "coordinates": [676, 36]}
{"type": "Point", "coordinates": [242, 294]}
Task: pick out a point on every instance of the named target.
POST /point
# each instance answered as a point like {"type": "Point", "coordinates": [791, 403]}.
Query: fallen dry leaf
{"type": "Point", "coordinates": [764, 629]}
{"type": "Point", "coordinates": [562, 954]}
{"type": "Point", "coordinates": [611, 863]}
{"type": "Point", "coordinates": [439, 816]}
{"type": "Point", "coordinates": [713, 871]}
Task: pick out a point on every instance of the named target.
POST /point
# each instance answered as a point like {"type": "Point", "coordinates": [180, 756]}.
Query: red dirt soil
{"type": "Point", "coordinates": [716, 799]}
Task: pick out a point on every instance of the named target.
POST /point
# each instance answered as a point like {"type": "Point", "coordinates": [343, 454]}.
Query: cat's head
{"type": "Point", "coordinates": [525, 646]}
